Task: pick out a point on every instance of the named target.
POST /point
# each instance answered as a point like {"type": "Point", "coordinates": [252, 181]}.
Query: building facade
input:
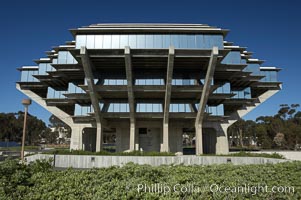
{"type": "Point", "coordinates": [144, 86]}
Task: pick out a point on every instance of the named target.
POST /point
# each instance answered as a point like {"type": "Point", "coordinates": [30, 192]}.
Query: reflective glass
{"type": "Point", "coordinates": [166, 41]}
{"type": "Point", "coordinates": [200, 41]}
{"type": "Point", "coordinates": [191, 41]}
{"type": "Point", "coordinates": [115, 41]}
{"type": "Point", "coordinates": [80, 41]}
{"type": "Point", "coordinates": [24, 75]}
{"type": "Point", "coordinates": [70, 58]}
{"type": "Point", "coordinates": [62, 57]}
{"type": "Point", "coordinates": [90, 42]}
{"type": "Point", "coordinates": [98, 41]}
{"type": "Point", "coordinates": [175, 41]}
{"type": "Point", "coordinates": [140, 41]}
{"type": "Point", "coordinates": [107, 41]}
{"type": "Point", "coordinates": [158, 41]}
{"type": "Point", "coordinates": [42, 69]}
{"type": "Point", "coordinates": [183, 41]}
{"type": "Point", "coordinates": [133, 41]}
{"type": "Point", "coordinates": [149, 39]}
{"type": "Point", "coordinates": [124, 41]}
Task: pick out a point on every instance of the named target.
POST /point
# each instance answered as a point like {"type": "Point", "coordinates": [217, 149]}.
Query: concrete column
{"type": "Point", "coordinates": [198, 139]}
{"type": "Point", "coordinates": [131, 98]}
{"type": "Point", "coordinates": [165, 144]}
{"type": "Point", "coordinates": [99, 134]}
{"type": "Point", "coordinates": [133, 145]}
{"type": "Point", "coordinates": [76, 137]}
{"type": "Point", "coordinates": [222, 144]}
{"type": "Point", "coordinates": [203, 101]}
{"type": "Point", "coordinates": [170, 65]}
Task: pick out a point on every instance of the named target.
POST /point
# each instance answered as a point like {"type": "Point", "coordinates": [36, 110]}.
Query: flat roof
{"type": "Point", "coordinates": [148, 28]}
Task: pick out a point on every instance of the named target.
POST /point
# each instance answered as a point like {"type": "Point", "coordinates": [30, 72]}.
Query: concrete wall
{"type": "Point", "coordinates": [75, 161]}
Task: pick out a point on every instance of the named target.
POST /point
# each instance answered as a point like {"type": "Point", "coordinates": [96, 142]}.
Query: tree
{"type": "Point", "coordinates": [12, 126]}
{"type": "Point", "coordinates": [57, 123]}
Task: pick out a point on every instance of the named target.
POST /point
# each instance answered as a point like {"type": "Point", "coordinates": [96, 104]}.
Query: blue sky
{"type": "Point", "coordinates": [270, 29]}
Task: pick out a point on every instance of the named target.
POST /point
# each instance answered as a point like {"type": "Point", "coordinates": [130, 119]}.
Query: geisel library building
{"type": "Point", "coordinates": [145, 86]}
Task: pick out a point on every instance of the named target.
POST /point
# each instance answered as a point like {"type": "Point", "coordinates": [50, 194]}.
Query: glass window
{"type": "Point", "coordinates": [62, 57]}
{"type": "Point", "coordinates": [158, 41]}
{"type": "Point", "coordinates": [90, 41]}
{"type": "Point", "coordinates": [70, 58]}
{"type": "Point", "coordinates": [107, 41]}
{"type": "Point", "coordinates": [77, 110]}
{"type": "Point", "coordinates": [133, 41]}
{"type": "Point", "coordinates": [175, 41]}
{"type": "Point", "coordinates": [200, 44]}
{"type": "Point", "coordinates": [98, 41]}
{"type": "Point", "coordinates": [166, 41]}
{"type": "Point", "coordinates": [24, 75]}
{"type": "Point", "coordinates": [140, 41]}
{"type": "Point", "coordinates": [183, 41]}
{"type": "Point", "coordinates": [124, 41]}
{"type": "Point", "coordinates": [217, 40]}
{"type": "Point", "coordinates": [149, 39]}
{"type": "Point", "coordinates": [80, 41]}
{"type": "Point", "coordinates": [233, 57]}
{"type": "Point", "coordinates": [42, 69]}
{"type": "Point", "coordinates": [115, 41]}
{"type": "Point", "coordinates": [207, 42]}
{"type": "Point", "coordinates": [191, 41]}
{"type": "Point", "coordinates": [273, 75]}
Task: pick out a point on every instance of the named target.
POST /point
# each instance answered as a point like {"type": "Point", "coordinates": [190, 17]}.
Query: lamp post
{"type": "Point", "coordinates": [26, 103]}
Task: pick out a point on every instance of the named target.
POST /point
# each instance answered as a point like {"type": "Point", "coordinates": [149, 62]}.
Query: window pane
{"type": "Point", "coordinates": [24, 75]}
{"type": "Point", "coordinates": [140, 41]}
{"type": "Point", "coordinates": [175, 41]}
{"type": "Point", "coordinates": [80, 41]}
{"type": "Point", "coordinates": [183, 41]}
{"type": "Point", "coordinates": [191, 41]}
{"type": "Point", "coordinates": [98, 41]}
{"type": "Point", "coordinates": [115, 41]}
{"type": "Point", "coordinates": [124, 41]}
{"type": "Point", "coordinates": [90, 41]}
{"type": "Point", "coordinates": [200, 42]}
{"type": "Point", "coordinates": [149, 41]}
{"type": "Point", "coordinates": [133, 41]}
{"type": "Point", "coordinates": [158, 42]}
{"type": "Point", "coordinates": [107, 43]}
{"type": "Point", "coordinates": [166, 41]}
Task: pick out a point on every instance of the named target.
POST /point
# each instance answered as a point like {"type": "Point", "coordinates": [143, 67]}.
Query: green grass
{"type": "Point", "coordinates": [19, 148]}
{"type": "Point", "coordinates": [40, 181]}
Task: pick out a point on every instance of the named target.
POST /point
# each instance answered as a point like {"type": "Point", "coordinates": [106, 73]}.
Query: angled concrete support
{"type": "Point", "coordinates": [170, 65]}
{"type": "Point", "coordinates": [222, 145]}
{"type": "Point", "coordinates": [129, 77]}
{"type": "Point", "coordinates": [88, 66]}
{"type": "Point", "coordinates": [52, 109]}
{"type": "Point", "coordinates": [76, 129]}
{"type": "Point", "coordinates": [203, 101]}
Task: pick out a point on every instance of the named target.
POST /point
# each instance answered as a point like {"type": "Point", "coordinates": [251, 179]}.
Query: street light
{"type": "Point", "coordinates": [26, 103]}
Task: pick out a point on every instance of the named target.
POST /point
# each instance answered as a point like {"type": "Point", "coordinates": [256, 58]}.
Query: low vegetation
{"type": "Point", "coordinates": [39, 181]}
{"type": "Point", "coordinates": [249, 154]}
{"type": "Point", "coordinates": [133, 153]}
